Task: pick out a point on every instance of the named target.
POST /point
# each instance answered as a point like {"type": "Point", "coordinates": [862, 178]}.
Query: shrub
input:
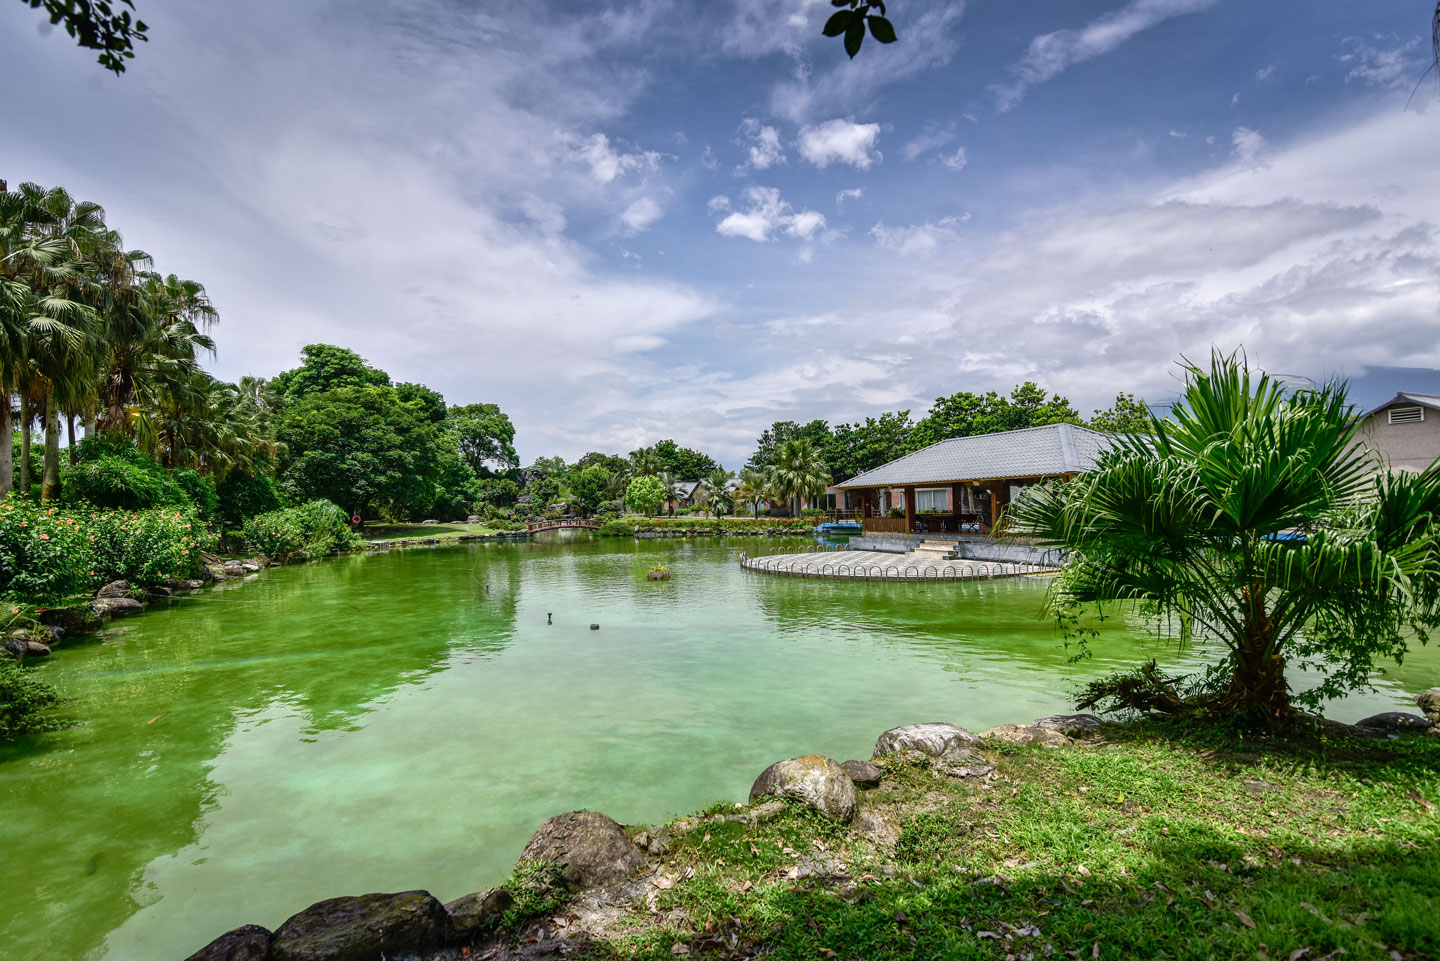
{"type": "Point", "coordinates": [897, 512]}
{"type": "Point", "coordinates": [505, 526]}
{"type": "Point", "coordinates": [616, 528]}
{"type": "Point", "coordinates": [49, 553]}
{"type": "Point", "coordinates": [313, 529]}
{"type": "Point", "coordinates": [200, 492]}
{"type": "Point", "coordinates": [243, 497]}
{"type": "Point", "coordinates": [645, 494]}
{"type": "Point", "coordinates": [24, 700]}
{"type": "Point", "coordinates": [818, 512]}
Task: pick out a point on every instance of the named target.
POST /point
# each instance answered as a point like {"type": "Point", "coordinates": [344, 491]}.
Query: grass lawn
{"type": "Point", "coordinates": [397, 532]}
{"type": "Point", "coordinates": [1153, 842]}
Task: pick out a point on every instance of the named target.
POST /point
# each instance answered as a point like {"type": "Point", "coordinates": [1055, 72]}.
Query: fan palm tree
{"type": "Point", "coordinates": [797, 471]}
{"type": "Point", "coordinates": [751, 490]}
{"type": "Point", "coordinates": [715, 489]}
{"type": "Point", "coordinates": [675, 489]}
{"type": "Point", "coordinates": [643, 462]}
{"type": "Point", "coordinates": [1248, 518]}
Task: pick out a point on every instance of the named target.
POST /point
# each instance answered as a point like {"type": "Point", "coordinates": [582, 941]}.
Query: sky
{"type": "Point", "coordinates": [625, 221]}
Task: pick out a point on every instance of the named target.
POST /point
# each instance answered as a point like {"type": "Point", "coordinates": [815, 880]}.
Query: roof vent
{"type": "Point", "coordinates": [1407, 415]}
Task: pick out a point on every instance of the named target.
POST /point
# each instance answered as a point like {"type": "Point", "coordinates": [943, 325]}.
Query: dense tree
{"type": "Point", "coordinates": [877, 441]}
{"type": "Point", "coordinates": [645, 494]}
{"type": "Point", "coordinates": [817, 432]}
{"type": "Point", "coordinates": [610, 463]}
{"type": "Point", "coordinates": [590, 487]}
{"type": "Point", "coordinates": [715, 492]}
{"type": "Point", "coordinates": [683, 462]}
{"type": "Point", "coordinates": [327, 367]}
{"type": "Point", "coordinates": [965, 414]}
{"type": "Point", "coordinates": [495, 492]}
{"type": "Point", "coordinates": [487, 438]}
{"type": "Point", "coordinates": [98, 25]}
{"type": "Point", "coordinates": [428, 403]}
{"type": "Point", "coordinates": [361, 448]}
{"type": "Point", "coordinates": [1128, 415]}
{"type": "Point", "coordinates": [1247, 518]}
{"type": "Point", "coordinates": [643, 462]}
{"type": "Point", "coordinates": [751, 490]}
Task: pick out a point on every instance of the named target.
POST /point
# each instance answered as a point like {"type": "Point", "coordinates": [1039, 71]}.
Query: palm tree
{"type": "Point", "coordinates": [715, 489]}
{"type": "Point", "coordinates": [674, 489]}
{"type": "Point", "coordinates": [643, 462]}
{"type": "Point", "coordinates": [752, 490]}
{"type": "Point", "coordinates": [1248, 518]}
{"type": "Point", "coordinates": [797, 471]}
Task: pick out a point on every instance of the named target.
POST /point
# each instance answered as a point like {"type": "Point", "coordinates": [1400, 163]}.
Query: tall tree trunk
{"type": "Point", "coordinates": [70, 435]}
{"type": "Point", "coordinates": [87, 423]}
{"type": "Point", "coordinates": [50, 481]}
{"type": "Point", "coordinates": [27, 417]}
{"type": "Point", "coordinates": [7, 447]}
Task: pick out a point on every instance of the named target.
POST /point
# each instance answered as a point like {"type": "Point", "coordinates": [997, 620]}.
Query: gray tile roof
{"type": "Point", "coordinates": [1406, 397]}
{"type": "Point", "coordinates": [1032, 452]}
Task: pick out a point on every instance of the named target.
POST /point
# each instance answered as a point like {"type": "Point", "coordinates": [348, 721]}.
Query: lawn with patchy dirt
{"type": "Point", "coordinates": [1148, 841]}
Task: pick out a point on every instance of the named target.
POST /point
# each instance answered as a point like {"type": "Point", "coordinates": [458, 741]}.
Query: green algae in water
{"type": "Point", "coordinates": [407, 720]}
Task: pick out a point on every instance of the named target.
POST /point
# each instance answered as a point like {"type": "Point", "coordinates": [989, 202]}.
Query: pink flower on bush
{"type": "Point", "coordinates": [44, 537]}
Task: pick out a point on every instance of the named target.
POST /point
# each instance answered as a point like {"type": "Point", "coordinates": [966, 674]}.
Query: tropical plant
{"type": "Point", "coordinates": [643, 462]}
{"type": "Point", "coordinates": [752, 490]}
{"type": "Point", "coordinates": [25, 701]}
{"type": "Point", "coordinates": [1248, 518]}
{"type": "Point", "coordinates": [797, 472]}
{"type": "Point", "coordinates": [715, 492]}
{"type": "Point", "coordinates": [675, 490]}
{"type": "Point", "coordinates": [313, 529]}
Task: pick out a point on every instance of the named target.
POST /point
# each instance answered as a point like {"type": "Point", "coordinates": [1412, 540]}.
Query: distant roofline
{"type": "Point", "coordinates": [1067, 445]}
{"type": "Point", "coordinates": [1408, 397]}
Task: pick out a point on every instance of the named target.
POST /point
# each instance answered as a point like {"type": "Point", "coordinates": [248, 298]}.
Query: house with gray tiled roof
{"type": "Point", "coordinates": [963, 483]}
{"type": "Point", "coordinates": [1404, 432]}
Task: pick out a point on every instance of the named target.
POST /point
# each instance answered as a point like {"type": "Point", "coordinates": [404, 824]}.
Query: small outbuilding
{"type": "Point", "coordinates": [962, 484]}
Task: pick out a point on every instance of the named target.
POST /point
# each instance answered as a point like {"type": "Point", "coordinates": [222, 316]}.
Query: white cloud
{"type": "Point", "coordinates": [768, 216]}
{"type": "Point", "coordinates": [718, 202]}
{"type": "Point", "coordinates": [918, 239]}
{"type": "Point", "coordinates": [1397, 65]}
{"type": "Point", "coordinates": [1264, 73]}
{"type": "Point", "coordinates": [1178, 133]}
{"type": "Point", "coordinates": [933, 137]}
{"type": "Point", "coordinates": [955, 161]}
{"type": "Point", "coordinates": [840, 141]}
{"type": "Point", "coordinates": [641, 215]}
{"type": "Point", "coordinates": [606, 163]}
{"type": "Point", "coordinates": [851, 193]}
{"type": "Point", "coordinates": [763, 144]}
{"type": "Point", "coordinates": [1051, 54]}
{"type": "Point", "coordinates": [1247, 145]}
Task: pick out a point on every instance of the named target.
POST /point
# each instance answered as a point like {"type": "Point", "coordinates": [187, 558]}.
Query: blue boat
{"type": "Point", "coordinates": [839, 527]}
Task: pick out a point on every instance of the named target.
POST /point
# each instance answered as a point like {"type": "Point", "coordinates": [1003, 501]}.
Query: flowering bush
{"type": "Point", "coordinates": [24, 700]}
{"type": "Point", "coordinates": [49, 553]}
{"type": "Point", "coordinates": [313, 529]}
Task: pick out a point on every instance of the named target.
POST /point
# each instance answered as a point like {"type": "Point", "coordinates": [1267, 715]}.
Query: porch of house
{"type": "Point", "coordinates": [955, 509]}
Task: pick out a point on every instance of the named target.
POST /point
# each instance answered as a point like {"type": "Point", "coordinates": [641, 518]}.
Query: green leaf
{"type": "Point", "coordinates": [841, 3]}
{"type": "Point", "coordinates": [854, 36]}
{"type": "Point", "coordinates": [881, 29]}
{"type": "Point", "coordinates": [838, 23]}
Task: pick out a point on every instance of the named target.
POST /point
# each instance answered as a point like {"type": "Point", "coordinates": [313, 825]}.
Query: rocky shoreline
{"type": "Point", "coordinates": [591, 876]}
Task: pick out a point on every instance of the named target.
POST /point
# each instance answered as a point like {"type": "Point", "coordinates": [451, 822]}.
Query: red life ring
{"type": "Point", "coordinates": [355, 519]}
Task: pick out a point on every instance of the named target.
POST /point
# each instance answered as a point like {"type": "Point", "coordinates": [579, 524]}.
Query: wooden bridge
{"type": "Point", "coordinates": [566, 524]}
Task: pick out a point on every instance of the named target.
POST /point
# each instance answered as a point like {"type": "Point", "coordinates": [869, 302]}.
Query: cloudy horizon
{"type": "Point", "coordinates": [664, 218]}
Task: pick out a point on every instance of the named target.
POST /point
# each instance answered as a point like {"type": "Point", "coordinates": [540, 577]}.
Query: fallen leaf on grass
{"type": "Point", "coordinates": [983, 935]}
{"type": "Point", "coordinates": [1245, 919]}
{"type": "Point", "coordinates": [1419, 799]}
{"type": "Point", "coordinates": [1082, 870]}
{"type": "Point", "coordinates": [1299, 953]}
{"type": "Point", "coordinates": [678, 948]}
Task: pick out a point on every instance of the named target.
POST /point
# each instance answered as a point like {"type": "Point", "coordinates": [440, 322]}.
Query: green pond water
{"type": "Point", "coordinates": [407, 720]}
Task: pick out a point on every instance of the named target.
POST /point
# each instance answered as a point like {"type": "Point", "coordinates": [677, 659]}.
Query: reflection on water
{"type": "Point", "coordinates": [407, 720]}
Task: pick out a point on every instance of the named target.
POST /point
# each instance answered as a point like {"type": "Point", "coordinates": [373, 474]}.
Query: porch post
{"type": "Point", "coordinates": [909, 510]}
{"type": "Point", "coordinates": [999, 497]}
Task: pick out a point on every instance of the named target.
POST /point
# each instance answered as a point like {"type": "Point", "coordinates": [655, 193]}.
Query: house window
{"type": "Point", "coordinates": [934, 501]}
{"type": "Point", "coordinates": [1407, 415]}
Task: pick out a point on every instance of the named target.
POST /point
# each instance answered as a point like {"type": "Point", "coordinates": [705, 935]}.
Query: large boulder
{"type": "Point", "coordinates": [115, 589]}
{"type": "Point", "coordinates": [587, 848]}
{"type": "Point", "coordinates": [1072, 725]}
{"type": "Point", "coordinates": [474, 914]}
{"type": "Point", "coordinates": [815, 781]}
{"type": "Point", "coordinates": [116, 606]}
{"type": "Point", "coordinates": [75, 620]}
{"type": "Point", "coordinates": [364, 928]}
{"type": "Point", "coordinates": [1429, 702]}
{"type": "Point", "coordinates": [1026, 734]}
{"type": "Point", "coordinates": [17, 647]}
{"type": "Point", "coordinates": [1396, 721]}
{"type": "Point", "coordinates": [863, 773]}
{"type": "Point", "coordinates": [935, 739]}
{"type": "Point", "coordinates": [248, 943]}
